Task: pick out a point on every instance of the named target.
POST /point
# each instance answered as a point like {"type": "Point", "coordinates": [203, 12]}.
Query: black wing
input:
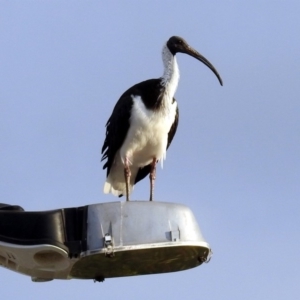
{"type": "Point", "coordinates": [143, 172]}
{"type": "Point", "coordinates": [116, 130]}
{"type": "Point", "coordinates": [173, 128]}
{"type": "Point", "coordinates": [118, 124]}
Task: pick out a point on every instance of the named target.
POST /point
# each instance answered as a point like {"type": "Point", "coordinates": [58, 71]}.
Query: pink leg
{"type": "Point", "coordinates": [127, 175]}
{"type": "Point", "coordinates": [152, 177]}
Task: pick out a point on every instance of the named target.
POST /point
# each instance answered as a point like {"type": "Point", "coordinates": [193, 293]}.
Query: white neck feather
{"type": "Point", "coordinates": [170, 77]}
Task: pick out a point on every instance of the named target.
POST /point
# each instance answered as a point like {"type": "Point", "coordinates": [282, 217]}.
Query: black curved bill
{"type": "Point", "coordinates": [192, 52]}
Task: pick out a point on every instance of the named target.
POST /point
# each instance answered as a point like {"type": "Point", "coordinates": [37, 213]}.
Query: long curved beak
{"type": "Point", "coordinates": [192, 52]}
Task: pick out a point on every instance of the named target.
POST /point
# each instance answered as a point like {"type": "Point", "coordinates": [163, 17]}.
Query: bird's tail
{"type": "Point", "coordinates": [116, 188]}
{"type": "Point", "coordinates": [115, 182]}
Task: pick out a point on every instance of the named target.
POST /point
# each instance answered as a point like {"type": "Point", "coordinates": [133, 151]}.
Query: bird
{"type": "Point", "coordinates": [143, 124]}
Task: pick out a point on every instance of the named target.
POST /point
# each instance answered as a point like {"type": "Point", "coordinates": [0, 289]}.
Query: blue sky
{"type": "Point", "coordinates": [234, 160]}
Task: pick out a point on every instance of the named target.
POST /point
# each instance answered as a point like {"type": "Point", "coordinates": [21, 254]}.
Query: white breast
{"type": "Point", "coordinates": [148, 134]}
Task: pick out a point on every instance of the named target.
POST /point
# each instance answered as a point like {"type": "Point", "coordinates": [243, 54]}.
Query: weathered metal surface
{"type": "Point", "coordinates": [119, 239]}
{"type": "Point", "coordinates": [140, 222]}
{"type": "Point", "coordinates": [146, 238]}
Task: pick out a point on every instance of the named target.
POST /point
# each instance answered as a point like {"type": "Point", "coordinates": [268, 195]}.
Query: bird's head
{"type": "Point", "coordinates": [177, 44]}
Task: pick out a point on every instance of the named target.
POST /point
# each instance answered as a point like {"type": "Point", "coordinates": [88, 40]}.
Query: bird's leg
{"type": "Point", "coordinates": [152, 177]}
{"type": "Point", "coordinates": [127, 175]}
